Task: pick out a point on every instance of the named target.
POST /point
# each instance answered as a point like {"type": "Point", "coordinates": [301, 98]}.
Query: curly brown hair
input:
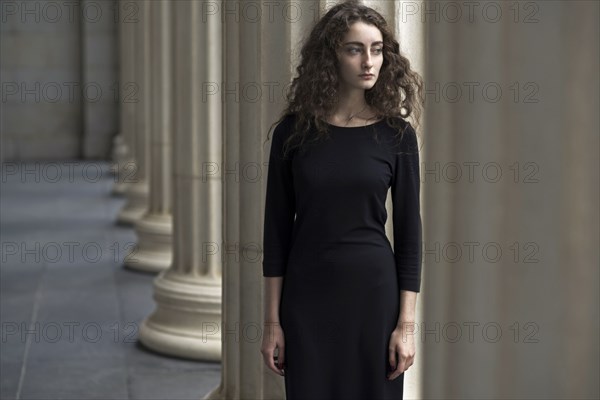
{"type": "Point", "coordinates": [312, 96]}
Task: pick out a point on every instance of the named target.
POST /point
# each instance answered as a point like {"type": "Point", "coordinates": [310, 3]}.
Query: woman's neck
{"type": "Point", "coordinates": [350, 102]}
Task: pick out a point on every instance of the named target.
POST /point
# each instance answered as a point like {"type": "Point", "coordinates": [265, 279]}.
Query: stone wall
{"type": "Point", "coordinates": [51, 51]}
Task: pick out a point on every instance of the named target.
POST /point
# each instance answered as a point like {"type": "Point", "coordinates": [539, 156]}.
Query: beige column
{"type": "Point", "coordinates": [98, 77]}
{"type": "Point", "coordinates": [511, 200]}
{"type": "Point", "coordinates": [154, 230]}
{"type": "Point", "coordinates": [137, 191]}
{"type": "Point", "coordinates": [410, 32]}
{"type": "Point", "coordinates": [186, 322]}
{"type": "Point", "coordinates": [120, 157]}
{"type": "Point", "coordinates": [123, 155]}
{"type": "Point", "coordinates": [260, 54]}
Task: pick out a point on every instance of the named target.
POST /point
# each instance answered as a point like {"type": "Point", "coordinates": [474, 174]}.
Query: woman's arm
{"type": "Point", "coordinates": [273, 337]}
{"type": "Point", "coordinates": [272, 298]}
{"type": "Point", "coordinates": [280, 211]}
{"type": "Point", "coordinates": [407, 251]}
{"type": "Point", "coordinates": [280, 206]}
{"type": "Point", "coordinates": [402, 340]}
{"type": "Point", "coordinates": [407, 214]}
{"type": "Point", "coordinates": [408, 301]}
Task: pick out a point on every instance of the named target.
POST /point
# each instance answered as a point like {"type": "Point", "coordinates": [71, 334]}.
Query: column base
{"type": "Point", "coordinates": [121, 165]}
{"type": "Point", "coordinates": [216, 393]}
{"type": "Point", "coordinates": [187, 319]}
{"type": "Point", "coordinates": [119, 188]}
{"type": "Point", "coordinates": [137, 203]}
{"type": "Point", "coordinates": [154, 250]}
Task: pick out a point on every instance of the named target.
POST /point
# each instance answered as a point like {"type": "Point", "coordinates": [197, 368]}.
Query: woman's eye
{"type": "Point", "coordinates": [355, 50]}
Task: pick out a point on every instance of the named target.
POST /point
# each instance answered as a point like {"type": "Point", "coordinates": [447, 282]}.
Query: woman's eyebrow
{"type": "Point", "coordinates": [360, 44]}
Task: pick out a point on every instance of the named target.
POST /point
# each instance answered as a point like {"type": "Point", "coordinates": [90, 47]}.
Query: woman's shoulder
{"type": "Point", "coordinates": [286, 122]}
{"type": "Point", "coordinates": [402, 134]}
{"type": "Point", "coordinates": [399, 122]}
{"type": "Point", "coordinates": [283, 125]}
{"type": "Point", "coordinates": [283, 129]}
{"type": "Point", "coordinates": [399, 126]}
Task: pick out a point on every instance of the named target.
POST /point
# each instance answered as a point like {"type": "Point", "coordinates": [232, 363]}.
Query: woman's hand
{"type": "Point", "coordinates": [401, 349]}
{"type": "Point", "coordinates": [273, 338]}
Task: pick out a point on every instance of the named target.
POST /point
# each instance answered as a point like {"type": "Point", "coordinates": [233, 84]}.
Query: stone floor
{"type": "Point", "coordinates": [69, 309]}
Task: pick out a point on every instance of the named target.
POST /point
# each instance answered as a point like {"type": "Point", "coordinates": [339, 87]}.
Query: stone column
{"type": "Point", "coordinates": [511, 200]}
{"type": "Point", "coordinates": [99, 73]}
{"type": "Point", "coordinates": [123, 155]}
{"type": "Point", "coordinates": [137, 191]}
{"type": "Point", "coordinates": [187, 318]}
{"type": "Point", "coordinates": [260, 54]}
{"type": "Point", "coordinates": [154, 230]}
{"type": "Point", "coordinates": [410, 33]}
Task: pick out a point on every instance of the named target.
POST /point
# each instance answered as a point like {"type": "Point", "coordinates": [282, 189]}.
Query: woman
{"type": "Point", "coordinates": [339, 303]}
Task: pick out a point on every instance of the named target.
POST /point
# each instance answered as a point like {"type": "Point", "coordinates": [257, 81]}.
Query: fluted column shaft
{"type": "Point", "coordinates": [137, 191]}
{"type": "Point", "coordinates": [123, 152]}
{"type": "Point", "coordinates": [259, 53]}
{"type": "Point", "coordinates": [154, 229]}
{"type": "Point", "coordinates": [186, 321]}
{"type": "Point", "coordinates": [511, 199]}
{"type": "Point", "coordinates": [410, 33]}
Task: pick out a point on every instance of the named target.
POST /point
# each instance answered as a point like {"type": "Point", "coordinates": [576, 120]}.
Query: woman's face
{"type": "Point", "coordinates": [361, 52]}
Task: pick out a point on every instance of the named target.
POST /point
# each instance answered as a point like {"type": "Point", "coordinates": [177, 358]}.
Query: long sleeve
{"type": "Point", "coordinates": [406, 213]}
{"type": "Point", "coordinates": [280, 206]}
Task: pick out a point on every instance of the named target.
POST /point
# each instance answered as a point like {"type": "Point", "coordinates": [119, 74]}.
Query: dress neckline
{"type": "Point", "coordinates": [355, 127]}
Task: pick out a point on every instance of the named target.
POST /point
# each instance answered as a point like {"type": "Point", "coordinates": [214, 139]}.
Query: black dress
{"type": "Point", "coordinates": [324, 233]}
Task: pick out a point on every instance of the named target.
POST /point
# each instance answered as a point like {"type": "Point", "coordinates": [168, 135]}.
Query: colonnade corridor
{"type": "Point", "coordinates": [70, 310]}
{"type": "Point", "coordinates": [509, 170]}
